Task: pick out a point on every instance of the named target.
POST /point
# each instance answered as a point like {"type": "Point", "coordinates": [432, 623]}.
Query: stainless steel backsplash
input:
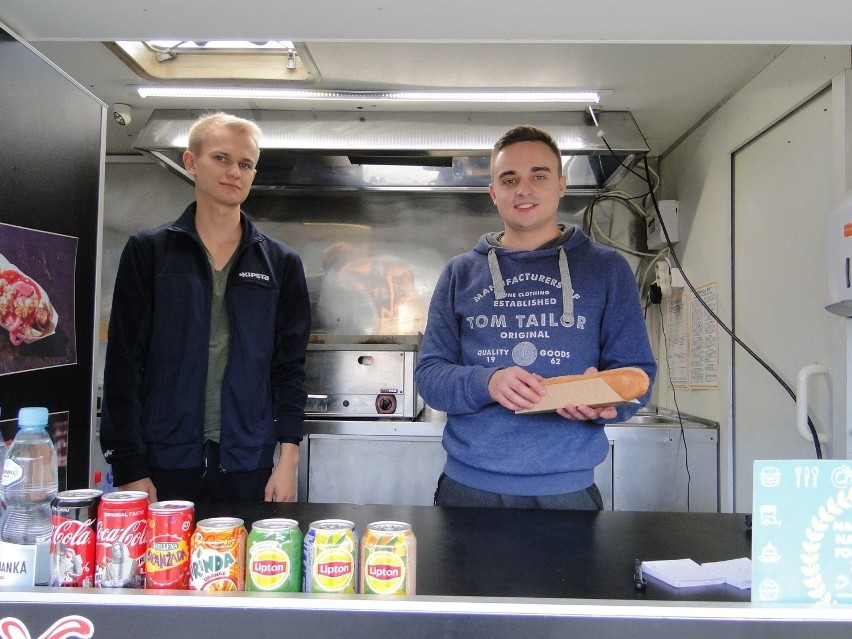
{"type": "Point", "coordinates": [371, 257]}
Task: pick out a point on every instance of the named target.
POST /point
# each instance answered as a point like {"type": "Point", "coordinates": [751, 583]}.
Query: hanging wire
{"type": "Point", "coordinates": [677, 410]}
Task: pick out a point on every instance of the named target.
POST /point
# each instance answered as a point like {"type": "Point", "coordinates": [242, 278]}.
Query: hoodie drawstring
{"type": "Point", "coordinates": [496, 275]}
{"type": "Point", "coordinates": [567, 289]}
{"type": "Point", "coordinates": [564, 275]}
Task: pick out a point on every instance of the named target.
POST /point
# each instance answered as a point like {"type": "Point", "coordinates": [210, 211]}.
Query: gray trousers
{"type": "Point", "coordinates": [452, 493]}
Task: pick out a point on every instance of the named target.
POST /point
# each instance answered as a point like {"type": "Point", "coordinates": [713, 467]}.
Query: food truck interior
{"type": "Point", "coordinates": [378, 120]}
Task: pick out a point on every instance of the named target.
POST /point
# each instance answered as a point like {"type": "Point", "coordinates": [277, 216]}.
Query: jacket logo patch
{"type": "Point", "coordinates": [256, 276]}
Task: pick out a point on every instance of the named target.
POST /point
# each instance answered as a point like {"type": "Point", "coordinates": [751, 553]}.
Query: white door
{"type": "Point", "coordinates": [782, 185]}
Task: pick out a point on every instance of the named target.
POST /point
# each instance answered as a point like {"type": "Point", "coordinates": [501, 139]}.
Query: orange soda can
{"type": "Point", "coordinates": [218, 554]}
{"type": "Point", "coordinates": [169, 533]}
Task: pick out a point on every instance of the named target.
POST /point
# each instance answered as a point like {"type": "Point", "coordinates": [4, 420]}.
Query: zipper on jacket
{"type": "Point", "coordinates": [251, 240]}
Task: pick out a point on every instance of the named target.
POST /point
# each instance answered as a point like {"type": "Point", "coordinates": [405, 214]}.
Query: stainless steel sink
{"type": "Point", "coordinates": [644, 419]}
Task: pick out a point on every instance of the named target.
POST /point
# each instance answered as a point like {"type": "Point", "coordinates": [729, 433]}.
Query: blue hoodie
{"type": "Point", "coordinates": [554, 311]}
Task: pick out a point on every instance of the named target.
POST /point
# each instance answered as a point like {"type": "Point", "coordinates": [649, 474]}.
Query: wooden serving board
{"type": "Point", "coordinates": [614, 387]}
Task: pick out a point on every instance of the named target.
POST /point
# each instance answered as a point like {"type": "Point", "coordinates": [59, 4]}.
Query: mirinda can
{"type": "Point", "coordinates": [122, 539]}
{"type": "Point", "coordinates": [388, 559]}
{"type": "Point", "coordinates": [217, 554]}
{"type": "Point", "coordinates": [330, 557]}
{"type": "Point", "coordinates": [169, 533]}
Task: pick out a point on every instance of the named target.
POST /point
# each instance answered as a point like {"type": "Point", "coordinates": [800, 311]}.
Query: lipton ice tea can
{"type": "Point", "coordinates": [388, 559]}
{"type": "Point", "coordinates": [217, 554]}
{"type": "Point", "coordinates": [169, 533]}
{"type": "Point", "coordinates": [330, 557]}
{"type": "Point", "coordinates": [274, 556]}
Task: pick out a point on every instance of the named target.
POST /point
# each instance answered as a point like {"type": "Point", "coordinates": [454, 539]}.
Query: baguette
{"type": "Point", "coordinates": [629, 382]}
{"type": "Point", "coordinates": [603, 388]}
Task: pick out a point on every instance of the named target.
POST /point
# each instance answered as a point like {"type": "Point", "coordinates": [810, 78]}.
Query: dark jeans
{"type": "Point", "coordinates": [452, 493]}
{"type": "Point", "coordinates": [209, 483]}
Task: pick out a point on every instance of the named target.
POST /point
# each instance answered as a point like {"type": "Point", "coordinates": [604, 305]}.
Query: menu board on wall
{"type": "Point", "coordinates": [50, 193]}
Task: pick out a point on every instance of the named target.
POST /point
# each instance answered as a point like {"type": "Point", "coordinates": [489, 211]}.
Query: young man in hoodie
{"type": "Point", "coordinates": [536, 300]}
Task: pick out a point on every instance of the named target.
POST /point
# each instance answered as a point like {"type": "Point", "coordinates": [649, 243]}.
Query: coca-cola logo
{"type": "Point", "coordinates": [133, 535]}
{"type": "Point", "coordinates": [73, 533]}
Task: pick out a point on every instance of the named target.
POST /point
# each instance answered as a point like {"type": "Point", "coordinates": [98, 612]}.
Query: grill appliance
{"type": "Point", "coordinates": [362, 376]}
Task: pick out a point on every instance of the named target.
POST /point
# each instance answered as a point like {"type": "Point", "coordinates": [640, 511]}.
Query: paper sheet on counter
{"type": "Point", "coordinates": [682, 573]}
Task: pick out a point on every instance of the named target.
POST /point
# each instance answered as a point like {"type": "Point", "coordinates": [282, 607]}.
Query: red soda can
{"type": "Point", "coordinates": [122, 539]}
{"type": "Point", "coordinates": [169, 532]}
{"type": "Point", "coordinates": [72, 544]}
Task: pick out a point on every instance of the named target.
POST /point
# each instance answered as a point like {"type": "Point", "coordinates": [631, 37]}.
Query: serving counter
{"type": "Point", "coordinates": [656, 462]}
{"type": "Point", "coordinates": [480, 573]}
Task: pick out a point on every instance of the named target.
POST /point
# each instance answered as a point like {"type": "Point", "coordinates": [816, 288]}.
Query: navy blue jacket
{"type": "Point", "coordinates": [156, 359]}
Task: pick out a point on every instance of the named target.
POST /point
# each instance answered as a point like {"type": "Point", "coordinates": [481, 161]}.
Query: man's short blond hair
{"type": "Point", "coordinates": [202, 126]}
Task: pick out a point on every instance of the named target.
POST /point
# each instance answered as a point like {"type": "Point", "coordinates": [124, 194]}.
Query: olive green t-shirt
{"type": "Point", "coordinates": [217, 353]}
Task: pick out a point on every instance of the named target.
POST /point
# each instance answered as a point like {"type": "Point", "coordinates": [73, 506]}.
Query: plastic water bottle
{"type": "Point", "coordinates": [30, 482]}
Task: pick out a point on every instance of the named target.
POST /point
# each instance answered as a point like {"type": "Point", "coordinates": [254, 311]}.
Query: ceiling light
{"type": "Point", "coordinates": [233, 45]}
{"type": "Point", "coordinates": [509, 96]}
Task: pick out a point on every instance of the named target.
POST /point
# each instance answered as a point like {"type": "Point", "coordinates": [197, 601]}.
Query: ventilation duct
{"type": "Point", "coordinates": [399, 151]}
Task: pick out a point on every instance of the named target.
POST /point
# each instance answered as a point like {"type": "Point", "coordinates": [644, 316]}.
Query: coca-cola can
{"type": "Point", "coordinates": [122, 538]}
{"type": "Point", "coordinates": [72, 544]}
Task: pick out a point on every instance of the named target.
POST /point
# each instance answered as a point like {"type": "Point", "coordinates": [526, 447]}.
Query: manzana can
{"type": "Point", "coordinates": [169, 532]}
{"type": "Point", "coordinates": [331, 557]}
{"type": "Point", "coordinates": [274, 556]}
{"type": "Point", "coordinates": [122, 539]}
{"type": "Point", "coordinates": [217, 554]}
{"type": "Point", "coordinates": [74, 515]}
{"type": "Point", "coordinates": [388, 559]}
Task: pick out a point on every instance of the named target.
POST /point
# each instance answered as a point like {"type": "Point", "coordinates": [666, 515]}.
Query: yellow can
{"type": "Point", "coordinates": [330, 557]}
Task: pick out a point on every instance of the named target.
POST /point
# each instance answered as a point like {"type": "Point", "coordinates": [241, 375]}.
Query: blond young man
{"type": "Point", "coordinates": [204, 374]}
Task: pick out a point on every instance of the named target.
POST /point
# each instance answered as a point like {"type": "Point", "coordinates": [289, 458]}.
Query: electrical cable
{"type": "Point", "coordinates": [677, 410]}
{"type": "Point", "coordinates": [716, 318]}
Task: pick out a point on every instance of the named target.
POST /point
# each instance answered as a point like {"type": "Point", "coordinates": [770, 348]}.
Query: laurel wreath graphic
{"type": "Point", "coordinates": [814, 534]}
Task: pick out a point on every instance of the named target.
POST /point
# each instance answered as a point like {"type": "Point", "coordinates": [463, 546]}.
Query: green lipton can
{"type": "Point", "coordinates": [274, 556]}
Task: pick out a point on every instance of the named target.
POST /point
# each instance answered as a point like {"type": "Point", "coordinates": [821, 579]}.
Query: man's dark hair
{"type": "Point", "coordinates": [527, 133]}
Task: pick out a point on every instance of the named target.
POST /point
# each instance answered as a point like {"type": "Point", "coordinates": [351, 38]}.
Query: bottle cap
{"type": "Point", "coordinates": [32, 418]}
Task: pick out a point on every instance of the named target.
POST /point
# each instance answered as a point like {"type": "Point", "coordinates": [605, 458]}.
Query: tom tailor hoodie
{"type": "Point", "coordinates": [554, 311]}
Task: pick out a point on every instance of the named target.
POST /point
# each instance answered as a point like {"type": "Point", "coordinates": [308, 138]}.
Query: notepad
{"type": "Point", "coordinates": [682, 573]}
{"type": "Point", "coordinates": [737, 572]}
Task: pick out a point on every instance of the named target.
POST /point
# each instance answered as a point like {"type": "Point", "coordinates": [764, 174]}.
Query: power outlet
{"type": "Point", "coordinates": [677, 280]}
{"type": "Point", "coordinates": [664, 278]}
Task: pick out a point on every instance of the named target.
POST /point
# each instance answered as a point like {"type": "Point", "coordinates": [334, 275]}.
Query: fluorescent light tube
{"type": "Point", "coordinates": [483, 96]}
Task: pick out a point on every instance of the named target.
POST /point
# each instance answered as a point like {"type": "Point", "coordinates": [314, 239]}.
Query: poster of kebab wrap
{"type": "Point", "coordinates": [36, 299]}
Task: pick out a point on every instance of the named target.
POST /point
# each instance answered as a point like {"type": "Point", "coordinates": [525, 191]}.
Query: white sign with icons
{"type": "Point", "coordinates": [802, 531]}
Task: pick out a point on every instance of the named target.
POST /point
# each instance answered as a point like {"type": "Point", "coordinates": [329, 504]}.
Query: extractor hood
{"type": "Point", "coordinates": [441, 151]}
